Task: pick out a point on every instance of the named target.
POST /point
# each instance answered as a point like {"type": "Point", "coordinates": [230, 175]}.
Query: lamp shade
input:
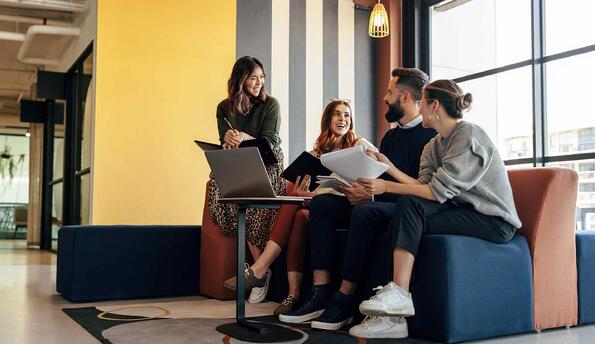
{"type": "Point", "coordinates": [378, 26]}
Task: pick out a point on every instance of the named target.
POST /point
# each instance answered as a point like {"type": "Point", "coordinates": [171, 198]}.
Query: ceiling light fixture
{"type": "Point", "coordinates": [378, 26]}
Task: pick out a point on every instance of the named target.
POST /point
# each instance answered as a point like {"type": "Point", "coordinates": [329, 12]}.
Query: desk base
{"type": "Point", "coordinates": [259, 332]}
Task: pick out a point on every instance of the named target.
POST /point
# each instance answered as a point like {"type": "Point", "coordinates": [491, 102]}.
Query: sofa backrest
{"type": "Point", "coordinates": [545, 199]}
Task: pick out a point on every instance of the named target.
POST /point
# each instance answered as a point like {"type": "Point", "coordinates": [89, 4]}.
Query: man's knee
{"type": "Point", "coordinates": [365, 212]}
{"type": "Point", "coordinates": [323, 203]}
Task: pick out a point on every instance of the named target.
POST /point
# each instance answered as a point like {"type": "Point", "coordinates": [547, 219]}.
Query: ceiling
{"type": "Point", "coordinates": [17, 79]}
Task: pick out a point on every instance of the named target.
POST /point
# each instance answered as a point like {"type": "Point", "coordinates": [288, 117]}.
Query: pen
{"type": "Point", "coordinates": [226, 121]}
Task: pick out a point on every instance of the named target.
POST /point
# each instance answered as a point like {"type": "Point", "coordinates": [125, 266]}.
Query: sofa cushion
{"type": "Point", "coordinates": [466, 288]}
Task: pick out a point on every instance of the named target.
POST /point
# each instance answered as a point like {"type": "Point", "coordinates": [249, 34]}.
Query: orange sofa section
{"type": "Point", "coordinates": [218, 256]}
{"type": "Point", "coordinates": [545, 200]}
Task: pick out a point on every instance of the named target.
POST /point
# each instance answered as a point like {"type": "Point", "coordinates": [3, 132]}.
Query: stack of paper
{"type": "Point", "coordinates": [333, 181]}
{"type": "Point", "coordinates": [348, 165]}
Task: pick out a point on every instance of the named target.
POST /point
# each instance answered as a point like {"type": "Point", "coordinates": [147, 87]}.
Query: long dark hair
{"type": "Point", "coordinates": [327, 141]}
{"type": "Point", "coordinates": [239, 102]}
{"type": "Point", "coordinates": [450, 95]}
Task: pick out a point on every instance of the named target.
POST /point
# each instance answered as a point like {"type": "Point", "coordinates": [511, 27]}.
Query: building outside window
{"type": "Point", "coordinates": [490, 48]}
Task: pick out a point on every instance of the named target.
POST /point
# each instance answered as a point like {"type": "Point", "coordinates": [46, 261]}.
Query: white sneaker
{"type": "Point", "coordinates": [381, 327]}
{"type": "Point", "coordinates": [389, 300]}
{"type": "Point", "coordinates": [258, 294]}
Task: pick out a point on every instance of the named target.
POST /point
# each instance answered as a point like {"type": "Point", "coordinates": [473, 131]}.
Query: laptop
{"type": "Point", "coordinates": [240, 174]}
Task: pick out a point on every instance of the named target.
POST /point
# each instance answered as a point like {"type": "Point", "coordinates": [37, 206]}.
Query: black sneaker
{"type": "Point", "coordinates": [311, 307]}
{"type": "Point", "coordinates": [337, 314]}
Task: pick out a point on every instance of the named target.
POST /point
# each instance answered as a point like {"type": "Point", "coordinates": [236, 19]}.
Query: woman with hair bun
{"type": "Point", "coordinates": [462, 189]}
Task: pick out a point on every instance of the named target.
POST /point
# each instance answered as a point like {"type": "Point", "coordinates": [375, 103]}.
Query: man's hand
{"type": "Point", "coordinates": [356, 194]}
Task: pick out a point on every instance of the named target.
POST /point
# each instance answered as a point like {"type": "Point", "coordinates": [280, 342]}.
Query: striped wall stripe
{"type": "Point", "coordinates": [253, 31]}
{"type": "Point", "coordinates": [314, 70]}
{"type": "Point", "coordinates": [297, 78]}
{"type": "Point", "coordinates": [346, 51]}
{"type": "Point", "coordinates": [280, 66]}
{"type": "Point", "coordinates": [312, 50]}
{"type": "Point", "coordinates": [365, 110]}
{"type": "Point", "coordinates": [330, 40]}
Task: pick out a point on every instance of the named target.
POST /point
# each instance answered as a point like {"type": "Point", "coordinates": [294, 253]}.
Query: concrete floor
{"type": "Point", "coordinates": [31, 310]}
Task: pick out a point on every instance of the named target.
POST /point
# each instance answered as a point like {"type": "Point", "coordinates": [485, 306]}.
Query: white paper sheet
{"type": "Point", "coordinates": [353, 163]}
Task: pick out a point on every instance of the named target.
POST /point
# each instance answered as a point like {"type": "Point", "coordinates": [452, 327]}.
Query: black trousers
{"type": "Point", "coordinates": [408, 219]}
{"type": "Point", "coordinates": [327, 213]}
{"type": "Point", "coordinates": [368, 221]}
{"type": "Point", "coordinates": [415, 216]}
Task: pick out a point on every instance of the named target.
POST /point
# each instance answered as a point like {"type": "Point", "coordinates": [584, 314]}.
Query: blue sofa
{"type": "Point", "coordinates": [122, 262]}
{"type": "Point", "coordinates": [585, 260]}
{"type": "Point", "coordinates": [466, 288]}
{"type": "Point", "coordinates": [463, 288]}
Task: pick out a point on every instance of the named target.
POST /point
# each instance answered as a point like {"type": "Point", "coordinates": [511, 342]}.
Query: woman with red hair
{"type": "Point", "coordinates": [290, 227]}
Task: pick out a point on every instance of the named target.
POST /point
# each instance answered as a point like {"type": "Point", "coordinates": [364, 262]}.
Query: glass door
{"type": "Point", "coordinates": [67, 163]}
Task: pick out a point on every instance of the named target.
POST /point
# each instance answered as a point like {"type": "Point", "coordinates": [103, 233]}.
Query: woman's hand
{"type": "Point", "coordinates": [232, 138]}
{"type": "Point", "coordinates": [302, 183]}
{"type": "Point", "coordinates": [302, 187]}
{"type": "Point", "coordinates": [379, 157]}
{"type": "Point", "coordinates": [374, 186]}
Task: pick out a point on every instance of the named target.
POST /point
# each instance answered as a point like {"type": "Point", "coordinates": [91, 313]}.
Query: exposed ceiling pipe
{"type": "Point", "coordinates": [16, 70]}
{"type": "Point", "coordinates": [54, 5]}
{"type": "Point", "coordinates": [12, 36]}
{"type": "Point", "coordinates": [31, 20]}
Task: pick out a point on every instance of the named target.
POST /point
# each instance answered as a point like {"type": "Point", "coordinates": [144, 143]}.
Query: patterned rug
{"type": "Point", "coordinates": [186, 322]}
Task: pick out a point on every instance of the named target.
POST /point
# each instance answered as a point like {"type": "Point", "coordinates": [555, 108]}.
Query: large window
{"type": "Point", "coordinates": [529, 65]}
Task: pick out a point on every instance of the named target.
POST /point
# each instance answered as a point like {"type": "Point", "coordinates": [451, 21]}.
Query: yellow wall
{"type": "Point", "coordinates": [162, 67]}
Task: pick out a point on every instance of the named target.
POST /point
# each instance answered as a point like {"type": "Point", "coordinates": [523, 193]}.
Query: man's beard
{"type": "Point", "coordinates": [395, 112]}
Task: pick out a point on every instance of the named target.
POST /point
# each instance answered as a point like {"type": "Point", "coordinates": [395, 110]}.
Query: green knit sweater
{"type": "Point", "coordinates": [263, 120]}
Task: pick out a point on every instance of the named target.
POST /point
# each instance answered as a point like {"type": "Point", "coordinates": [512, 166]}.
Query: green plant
{"type": "Point", "coordinates": [9, 163]}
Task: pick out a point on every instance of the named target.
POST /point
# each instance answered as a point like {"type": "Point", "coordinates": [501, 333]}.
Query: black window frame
{"type": "Point", "coordinates": [417, 53]}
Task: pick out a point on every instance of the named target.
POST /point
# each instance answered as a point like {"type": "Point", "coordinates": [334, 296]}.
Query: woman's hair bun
{"type": "Point", "coordinates": [464, 101]}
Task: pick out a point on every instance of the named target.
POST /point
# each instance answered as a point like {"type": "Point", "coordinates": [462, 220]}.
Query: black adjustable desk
{"type": "Point", "coordinates": [242, 329]}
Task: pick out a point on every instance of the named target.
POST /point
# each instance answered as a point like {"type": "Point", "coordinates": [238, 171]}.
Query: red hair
{"type": "Point", "coordinates": [328, 141]}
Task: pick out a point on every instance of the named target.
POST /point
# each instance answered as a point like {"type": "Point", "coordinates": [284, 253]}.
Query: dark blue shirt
{"type": "Point", "coordinates": [403, 147]}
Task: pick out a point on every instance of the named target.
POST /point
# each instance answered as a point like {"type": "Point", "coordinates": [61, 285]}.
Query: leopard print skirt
{"type": "Point", "coordinates": [258, 221]}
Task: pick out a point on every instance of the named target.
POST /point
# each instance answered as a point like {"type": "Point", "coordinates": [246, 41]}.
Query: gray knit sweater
{"type": "Point", "coordinates": [465, 167]}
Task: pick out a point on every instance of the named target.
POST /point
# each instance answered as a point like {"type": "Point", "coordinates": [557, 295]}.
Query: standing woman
{"type": "Point", "coordinates": [248, 113]}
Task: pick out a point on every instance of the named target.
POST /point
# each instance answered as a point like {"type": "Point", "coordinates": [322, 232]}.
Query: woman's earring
{"type": "Point", "coordinates": [436, 117]}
